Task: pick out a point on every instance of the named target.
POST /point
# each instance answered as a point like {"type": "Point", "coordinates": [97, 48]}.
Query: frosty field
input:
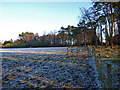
{"type": "Point", "coordinates": [50, 68]}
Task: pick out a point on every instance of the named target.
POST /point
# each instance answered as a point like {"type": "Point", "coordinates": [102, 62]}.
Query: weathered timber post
{"type": "Point", "coordinates": [109, 75]}
{"type": "Point", "coordinates": [68, 53]}
{"type": "Point", "coordinates": [99, 59]}
{"type": "Point", "coordinates": [94, 52]}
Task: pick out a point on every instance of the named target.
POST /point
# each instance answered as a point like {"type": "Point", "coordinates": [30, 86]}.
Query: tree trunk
{"type": "Point", "coordinates": [106, 32]}
{"type": "Point", "coordinates": [111, 32]}
{"type": "Point", "coordinates": [95, 37]}
{"type": "Point", "coordinates": [54, 40]}
{"type": "Point", "coordinates": [118, 23]}
{"type": "Point", "coordinates": [85, 38]}
{"type": "Point", "coordinates": [109, 28]}
{"type": "Point", "coordinates": [118, 17]}
{"type": "Point", "coordinates": [101, 35]}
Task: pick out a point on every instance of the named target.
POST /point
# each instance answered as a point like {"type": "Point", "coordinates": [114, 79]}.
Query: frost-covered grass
{"type": "Point", "coordinates": [36, 69]}
{"type": "Point", "coordinates": [48, 68]}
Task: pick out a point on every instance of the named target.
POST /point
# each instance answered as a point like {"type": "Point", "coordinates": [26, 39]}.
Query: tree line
{"type": "Point", "coordinates": [98, 25]}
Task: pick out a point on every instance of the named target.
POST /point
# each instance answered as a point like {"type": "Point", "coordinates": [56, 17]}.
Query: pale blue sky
{"type": "Point", "coordinates": [38, 17]}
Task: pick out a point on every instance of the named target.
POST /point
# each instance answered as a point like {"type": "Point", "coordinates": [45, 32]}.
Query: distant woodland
{"type": "Point", "coordinates": [98, 25]}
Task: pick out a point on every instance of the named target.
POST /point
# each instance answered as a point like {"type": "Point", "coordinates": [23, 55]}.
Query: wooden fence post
{"type": "Point", "coordinates": [99, 59]}
{"type": "Point", "coordinates": [68, 53]}
{"type": "Point", "coordinates": [109, 75]}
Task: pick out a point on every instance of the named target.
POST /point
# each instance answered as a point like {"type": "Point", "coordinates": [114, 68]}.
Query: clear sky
{"type": "Point", "coordinates": [37, 17]}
